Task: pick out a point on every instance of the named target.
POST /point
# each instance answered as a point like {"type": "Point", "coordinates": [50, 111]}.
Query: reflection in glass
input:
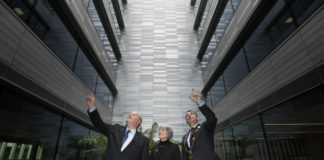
{"type": "Point", "coordinates": [258, 45]}
{"type": "Point", "coordinates": [12, 150]}
{"type": "Point", "coordinates": [102, 91]}
{"type": "Point", "coordinates": [85, 71]}
{"type": "Point", "coordinates": [235, 4]}
{"type": "Point", "coordinates": [21, 8]}
{"type": "Point", "coordinates": [274, 28]}
{"type": "Point", "coordinates": [204, 17]}
{"type": "Point", "coordinates": [219, 145]}
{"type": "Point", "coordinates": [249, 140]}
{"type": "Point", "coordinates": [100, 30]}
{"type": "Point", "coordinates": [29, 131]}
{"type": "Point", "coordinates": [69, 146]}
{"type": "Point", "coordinates": [219, 31]}
{"type": "Point", "coordinates": [295, 129]}
{"type": "Point", "coordinates": [39, 15]}
{"type": "Point", "coordinates": [300, 8]}
{"type": "Point", "coordinates": [58, 38]}
{"type": "Point", "coordinates": [229, 144]}
{"type": "Point", "coordinates": [217, 91]}
{"type": "Point", "coordinates": [26, 130]}
{"type": "Point", "coordinates": [209, 51]}
{"type": "Point", "coordinates": [97, 147]}
{"type": "Point", "coordinates": [235, 71]}
{"type": "Point", "coordinates": [112, 11]}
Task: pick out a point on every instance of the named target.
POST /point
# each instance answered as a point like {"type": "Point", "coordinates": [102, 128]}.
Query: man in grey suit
{"type": "Point", "coordinates": [125, 143]}
{"type": "Point", "coordinates": [198, 143]}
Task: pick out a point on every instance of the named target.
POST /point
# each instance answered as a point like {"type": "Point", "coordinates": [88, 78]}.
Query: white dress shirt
{"type": "Point", "coordinates": [130, 137]}
{"type": "Point", "coordinates": [188, 139]}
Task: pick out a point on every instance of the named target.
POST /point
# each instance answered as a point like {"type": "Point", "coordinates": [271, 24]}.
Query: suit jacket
{"type": "Point", "coordinates": [165, 151]}
{"type": "Point", "coordinates": [137, 149]}
{"type": "Point", "coordinates": [203, 146]}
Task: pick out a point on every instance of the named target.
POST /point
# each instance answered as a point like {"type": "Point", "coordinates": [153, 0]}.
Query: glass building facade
{"type": "Point", "coordinates": [88, 4]}
{"type": "Point", "coordinates": [282, 19]}
{"type": "Point", "coordinates": [157, 72]}
{"type": "Point", "coordinates": [29, 130]}
{"type": "Point", "coordinates": [204, 17]}
{"type": "Point", "coordinates": [293, 129]}
{"type": "Point", "coordinates": [226, 17]}
{"type": "Point", "coordinates": [41, 17]}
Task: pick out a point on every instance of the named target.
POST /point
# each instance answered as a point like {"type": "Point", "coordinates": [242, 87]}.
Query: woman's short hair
{"type": "Point", "coordinates": [169, 130]}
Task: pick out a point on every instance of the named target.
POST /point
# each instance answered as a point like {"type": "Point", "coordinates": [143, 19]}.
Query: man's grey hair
{"type": "Point", "coordinates": [140, 119]}
{"type": "Point", "coordinates": [169, 130]}
{"type": "Point", "coordinates": [191, 112]}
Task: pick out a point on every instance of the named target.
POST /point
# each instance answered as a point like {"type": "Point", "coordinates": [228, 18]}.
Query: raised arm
{"type": "Point", "coordinates": [210, 117]}
{"type": "Point", "coordinates": [94, 115]}
{"type": "Point", "coordinates": [205, 110]}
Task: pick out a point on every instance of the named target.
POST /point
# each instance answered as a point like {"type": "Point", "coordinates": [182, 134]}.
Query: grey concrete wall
{"type": "Point", "coordinates": [25, 54]}
{"type": "Point", "coordinates": [302, 51]}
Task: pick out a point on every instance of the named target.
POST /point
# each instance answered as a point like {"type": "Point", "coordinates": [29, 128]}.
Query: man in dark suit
{"type": "Point", "coordinates": [198, 143]}
{"type": "Point", "coordinates": [124, 143]}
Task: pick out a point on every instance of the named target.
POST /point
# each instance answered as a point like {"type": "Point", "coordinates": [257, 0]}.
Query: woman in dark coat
{"type": "Point", "coordinates": [165, 150]}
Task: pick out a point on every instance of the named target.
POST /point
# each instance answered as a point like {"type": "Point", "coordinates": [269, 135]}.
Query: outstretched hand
{"type": "Point", "coordinates": [195, 97]}
{"type": "Point", "coordinates": [90, 100]}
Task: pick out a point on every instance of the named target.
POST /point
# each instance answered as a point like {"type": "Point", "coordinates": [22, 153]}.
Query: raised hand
{"type": "Point", "coordinates": [90, 100]}
{"type": "Point", "coordinates": [195, 97]}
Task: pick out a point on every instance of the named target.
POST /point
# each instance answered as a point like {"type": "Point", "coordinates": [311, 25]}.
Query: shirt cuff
{"type": "Point", "coordinates": [91, 110]}
{"type": "Point", "coordinates": [202, 103]}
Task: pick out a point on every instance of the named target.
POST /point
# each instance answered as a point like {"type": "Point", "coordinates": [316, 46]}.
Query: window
{"type": "Point", "coordinates": [249, 140]}
{"type": "Point", "coordinates": [280, 21]}
{"type": "Point", "coordinates": [28, 130]}
{"type": "Point", "coordinates": [235, 71]}
{"type": "Point", "coordinates": [295, 129]}
{"type": "Point", "coordinates": [229, 144]}
{"type": "Point", "coordinates": [219, 145]}
{"type": "Point", "coordinates": [38, 15]}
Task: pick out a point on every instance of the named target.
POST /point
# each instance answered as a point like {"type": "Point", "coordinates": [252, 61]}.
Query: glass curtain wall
{"type": "Point", "coordinates": [203, 19]}
{"type": "Point", "coordinates": [293, 130]}
{"type": "Point", "coordinates": [230, 150]}
{"type": "Point", "coordinates": [93, 14]}
{"type": "Point", "coordinates": [249, 141]}
{"type": "Point", "coordinates": [226, 17]}
{"type": "Point", "coordinates": [195, 7]}
{"type": "Point", "coordinates": [39, 15]}
{"type": "Point", "coordinates": [220, 145]}
{"type": "Point", "coordinates": [29, 131]}
{"type": "Point", "coordinates": [112, 11]}
{"type": "Point", "coordinates": [282, 20]}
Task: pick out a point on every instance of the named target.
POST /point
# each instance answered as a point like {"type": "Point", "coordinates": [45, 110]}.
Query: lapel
{"type": "Point", "coordinates": [135, 139]}
{"type": "Point", "coordinates": [122, 132]}
{"type": "Point", "coordinates": [197, 128]}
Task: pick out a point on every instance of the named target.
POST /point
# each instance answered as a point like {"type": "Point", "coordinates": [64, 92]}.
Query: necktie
{"type": "Point", "coordinates": [125, 137]}
{"type": "Point", "coordinates": [192, 131]}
